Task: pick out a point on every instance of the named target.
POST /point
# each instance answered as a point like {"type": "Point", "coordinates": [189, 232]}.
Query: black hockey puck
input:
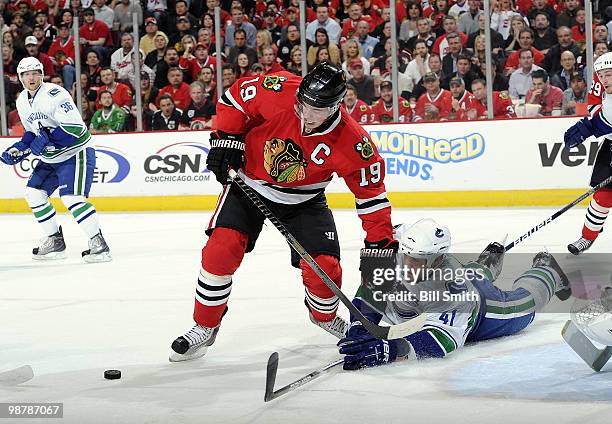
{"type": "Point", "coordinates": [112, 374]}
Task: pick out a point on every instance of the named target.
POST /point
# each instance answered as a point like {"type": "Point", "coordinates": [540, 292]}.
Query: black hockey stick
{"type": "Point", "coordinates": [271, 377]}
{"type": "Point", "coordinates": [559, 213]}
{"type": "Point", "coordinates": [393, 332]}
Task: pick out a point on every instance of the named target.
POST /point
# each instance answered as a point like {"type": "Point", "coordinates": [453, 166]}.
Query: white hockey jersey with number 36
{"type": "Point", "coordinates": [51, 109]}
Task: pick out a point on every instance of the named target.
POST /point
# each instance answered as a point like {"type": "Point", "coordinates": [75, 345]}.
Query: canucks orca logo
{"type": "Point", "coordinates": [439, 233]}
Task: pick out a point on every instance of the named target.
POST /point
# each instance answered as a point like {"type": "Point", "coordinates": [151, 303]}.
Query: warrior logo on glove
{"type": "Point", "coordinates": [284, 160]}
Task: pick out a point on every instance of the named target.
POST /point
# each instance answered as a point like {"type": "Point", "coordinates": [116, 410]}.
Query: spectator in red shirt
{"type": "Point", "coordinates": [502, 104]}
{"type": "Point", "coordinates": [349, 28]}
{"type": "Point", "coordinates": [383, 108]}
{"type": "Point", "coordinates": [359, 110]}
{"type": "Point", "coordinates": [441, 47]}
{"type": "Point", "coordinates": [268, 60]}
{"type": "Point", "coordinates": [193, 63]}
{"type": "Point", "coordinates": [461, 100]}
{"type": "Point", "coordinates": [579, 29]}
{"type": "Point", "coordinates": [62, 54]}
{"type": "Point", "coordinates": [435, 103]}
{"type": "Point", "coordinates": [177, 88]}
{"type": "Point", "coordinates": [547, 96]}
{"type": "Point", "coordinates": [31, 45]}
{"type": "Point", "coordinates": [122, 95]}
{"type": "Point", "coordinates": [525, 41]}
{"type": "Point", "coordinates": [94, 34]}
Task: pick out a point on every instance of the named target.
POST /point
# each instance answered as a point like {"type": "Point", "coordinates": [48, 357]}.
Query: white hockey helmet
{"type": "Point", "coordinates": [594, 317]}
{"type": "Point", "coordinates": [425, 239]}
{"type": "Point", "coordinates": [603, 62]}
{"type": "Point", "coordinates": [29, 64]}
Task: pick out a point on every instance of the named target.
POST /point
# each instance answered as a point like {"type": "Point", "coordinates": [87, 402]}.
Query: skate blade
{"type": "Point", "coordinates": [53, 256]}
{"type": "Point", "coordinates": [99, 258]}
{"type": "Point", "coordinates": [177, 357]}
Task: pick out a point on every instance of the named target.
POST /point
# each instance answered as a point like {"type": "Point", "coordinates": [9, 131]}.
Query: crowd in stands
{"type": "Point", "coordinates": [538, 49]}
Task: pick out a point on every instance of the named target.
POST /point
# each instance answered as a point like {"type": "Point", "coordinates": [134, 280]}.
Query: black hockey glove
{"type": "Point", "coordinates": [226, 152]}
{"type": "Point", "coordinates": [377, 265]}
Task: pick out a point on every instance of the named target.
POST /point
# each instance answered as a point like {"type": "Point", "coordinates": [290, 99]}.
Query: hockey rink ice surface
{"type": "Point", "coordinates": [71, 321]}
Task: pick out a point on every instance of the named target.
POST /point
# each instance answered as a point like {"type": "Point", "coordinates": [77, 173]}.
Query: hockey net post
{"type": "Point", "coordinates": [593, 356]}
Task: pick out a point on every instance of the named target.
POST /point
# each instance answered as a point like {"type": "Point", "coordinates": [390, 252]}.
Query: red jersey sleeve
{"type": "Point", "coordinates": [363, 170]}
{"type": "Point", "coordinates": [250, 99]}
{"type": "Point", "coordinates": [595, 94]}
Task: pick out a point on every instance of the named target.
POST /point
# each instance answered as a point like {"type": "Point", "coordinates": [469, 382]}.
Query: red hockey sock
{"type": "Point", "coordinates": [221, 256]}
{"type": "Point", "coordinates": [597, 213]}
{"type": "Point", "coordinates": [321, 301]}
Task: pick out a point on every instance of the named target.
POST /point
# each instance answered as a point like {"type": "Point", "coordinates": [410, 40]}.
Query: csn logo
{"type": "Point", "coordinates": [180, 158]}
{"type": "Point", "coordinates": [111, 166]}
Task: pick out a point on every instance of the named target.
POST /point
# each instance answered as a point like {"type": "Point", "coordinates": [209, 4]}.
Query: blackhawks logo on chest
{"type": "Point", "coordinates": [284, 160]}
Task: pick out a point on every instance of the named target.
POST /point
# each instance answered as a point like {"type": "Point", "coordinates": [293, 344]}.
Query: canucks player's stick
{"type": "Point", "coordinates": [559, 213]}
{"type": "Point", "coordinates": [594, 357]}
{"type": "Point", "coordinates": [393, 332]}
{"type": "Point", "coordinates": [271, 377]}
{"type": "Point", "coordinates": [16, 376]}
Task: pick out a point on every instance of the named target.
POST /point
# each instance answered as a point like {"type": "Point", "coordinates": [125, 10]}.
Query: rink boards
{"type": "Point", "coordinates": [485, 163]}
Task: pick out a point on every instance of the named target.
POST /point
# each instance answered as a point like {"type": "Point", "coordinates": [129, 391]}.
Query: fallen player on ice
{"type": "Point", "coordinates": [461, 302]}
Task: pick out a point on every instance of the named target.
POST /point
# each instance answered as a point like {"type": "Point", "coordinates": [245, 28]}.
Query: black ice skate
{"type": "Point", "coordinates": [51, 248]}
{"type": "Point", "coordinates": [579, 246]}
{"type": "Point", "coordinates": [337, 327]}
{"type": "Point", "coordinates": [193, 344]}
{"type": "Point", "coordinates": [544, 259]}
{"type": "Point", "coordinates": [98, 250]}
{"type": "Point", "coordinates": [493, 258]}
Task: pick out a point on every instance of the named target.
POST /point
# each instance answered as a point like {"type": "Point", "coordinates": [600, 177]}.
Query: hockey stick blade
{"type": "Point", "coordinates": [558, 213]}
{"type": "Point", "coordinates": [393, 332]}
{"type": "Point", "coordinates": [271, 376]}
{"type": "Point", "coordinates": [594, 357]}
{"type": "Point", "coordinates": [16, 376]}
{"type": "Point", "coordinates": [271, 394]}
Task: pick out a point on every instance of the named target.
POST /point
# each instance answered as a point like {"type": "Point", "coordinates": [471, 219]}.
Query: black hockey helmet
{"type": "Point", "coordinates": [322, 87]}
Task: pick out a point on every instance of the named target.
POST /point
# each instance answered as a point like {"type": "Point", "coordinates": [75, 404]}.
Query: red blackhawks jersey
{"type": "Point", "coordinates": [466, 102]}
{"type": "Point", "coordinates": [361, 112]}
{"type": "Point", "coordinates": [384, 114]}
{"type": "Point", "coordinates": [502, 106]}
{"type": "Point", "coordinates": [596, 93]}
{"type": "Point", "coordinates": [285, 165]}
{"type": "Point", "coordinates": [442, 102]}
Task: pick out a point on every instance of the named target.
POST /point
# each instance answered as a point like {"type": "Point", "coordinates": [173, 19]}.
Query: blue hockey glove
{"type": "Point", "coordinates": [15, 154]}
{"type": "Point", "coordinates": [363, 350]}
{"type": "Point", "coordinates": [577, 133]}
{"type": "Point", "coordinates": [40, 142]}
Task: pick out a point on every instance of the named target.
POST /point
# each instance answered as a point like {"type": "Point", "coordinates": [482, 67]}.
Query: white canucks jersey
{"type": "Point", "coordinates": [451, 304]}
{"type": "Point", "coordinates": [52, 107]}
